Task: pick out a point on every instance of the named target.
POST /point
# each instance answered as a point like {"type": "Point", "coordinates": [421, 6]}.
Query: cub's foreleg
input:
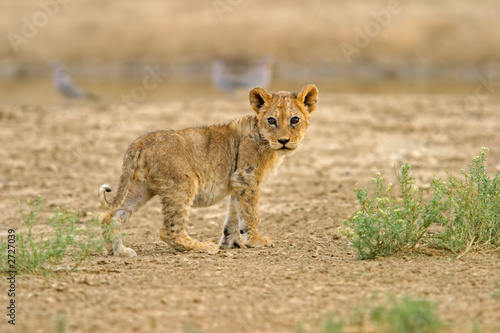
{"type": "Point", "coordinates": [247, 194]}
{"type": "Point", "coordinates": [231, 236]}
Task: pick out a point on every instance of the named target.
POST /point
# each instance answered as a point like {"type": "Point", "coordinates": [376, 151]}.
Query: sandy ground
{"type": "Point", "coordinates": [65, 152]}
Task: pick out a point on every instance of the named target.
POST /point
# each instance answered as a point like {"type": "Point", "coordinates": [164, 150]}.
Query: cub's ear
{"type": "Point", "coordinates": [308, 96]}
{"type": "Point", "coordinates": [258, 97]}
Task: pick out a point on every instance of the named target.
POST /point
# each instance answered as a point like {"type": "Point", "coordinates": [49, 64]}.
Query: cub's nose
{"type": "Point", "coordinates": [283, 141]}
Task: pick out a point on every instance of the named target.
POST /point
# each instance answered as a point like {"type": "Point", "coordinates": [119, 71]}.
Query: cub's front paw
{"type": "Point", "coordinates": [230, 241]}
{"type": "Point", "coordinates": [258, 241]}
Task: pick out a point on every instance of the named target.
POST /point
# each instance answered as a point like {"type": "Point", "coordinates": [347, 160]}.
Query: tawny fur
{"type": "Point", "coordinates": [198, 167]}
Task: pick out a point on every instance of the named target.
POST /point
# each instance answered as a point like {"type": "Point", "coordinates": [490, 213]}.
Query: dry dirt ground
{"type": "Point", "coordinates": [65, 152]}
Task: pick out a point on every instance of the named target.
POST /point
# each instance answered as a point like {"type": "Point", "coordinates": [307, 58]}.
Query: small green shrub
{"type": "Point", "coordinates": [409, 315]}
{"type": "Point", "coordinates": [4, 265]}
{"type": "Point", "coordinates": [331, 324]}
{"type": "Point", "coordinates": [386, 223]}
{"type": "Point", "coordinates": [68, 237]}
{"type": "Point", "coordinates": [468, 211]}
{"type": "Point", "coordinates": [394, 315]}
{"type": "Point", "coordinates": [190, 327]}
{"type": "Point", "coordinates": [328, 323]}
{"type": "Point", "coordinates": [61, 322]}
{"type": "Point", "coordinates": [496, 291]}
{"type": "Point", "coordinates": [475, 215]}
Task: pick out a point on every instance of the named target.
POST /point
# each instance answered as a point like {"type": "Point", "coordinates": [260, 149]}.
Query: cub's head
{"type": "Point", "coordinates": [284, 116]}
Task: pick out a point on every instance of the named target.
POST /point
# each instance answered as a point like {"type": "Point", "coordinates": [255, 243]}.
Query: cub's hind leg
{"type": "Point", "coordinates": [176, 212]}
{"type": "Point", "coordinates": [137, 196]}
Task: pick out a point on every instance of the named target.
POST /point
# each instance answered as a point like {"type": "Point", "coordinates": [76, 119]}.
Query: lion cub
{"type": "Point", "coordinates": [198, 167]}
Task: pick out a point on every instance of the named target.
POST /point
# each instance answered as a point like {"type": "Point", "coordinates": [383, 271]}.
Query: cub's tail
{"type": "Point", "coordinates": [129, 165]}
{"type": "Point", "coordinates": [102, 196]}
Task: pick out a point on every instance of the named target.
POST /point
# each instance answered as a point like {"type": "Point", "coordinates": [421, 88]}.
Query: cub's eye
{"type": "Point", "coordinates": [271, 121]}
{"type": "Point", "coordinates": [294, 120]}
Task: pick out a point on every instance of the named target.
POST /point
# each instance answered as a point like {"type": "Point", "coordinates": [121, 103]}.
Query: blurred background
{"type": "Point", "coordinates": [204, 48]}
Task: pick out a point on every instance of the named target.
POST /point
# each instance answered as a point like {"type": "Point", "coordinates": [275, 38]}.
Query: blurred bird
{"type": "Point", "coordinates": [227, 81]}
{"type": "Point", "coordinates": [63, 83]}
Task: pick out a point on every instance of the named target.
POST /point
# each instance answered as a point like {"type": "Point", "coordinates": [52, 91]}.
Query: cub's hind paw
{"type": "Point", "coordinates": [257, 241]}
{"type": "Point", "coordinates": [185, 243]}
{"type": "Point", "coordinates": [208, 247]}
